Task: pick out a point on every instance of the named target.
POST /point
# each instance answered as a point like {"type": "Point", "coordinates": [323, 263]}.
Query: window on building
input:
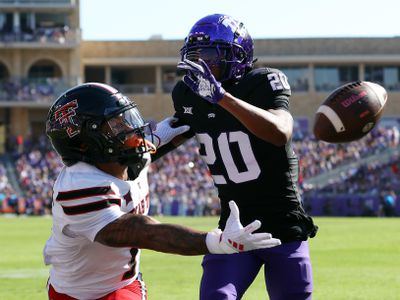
{"type": "Point", "coordinates": [387, 76]}
{"type": "Point", "coordinates": [4, 82]}
{"type": "Point", "coordinates": [95, 74]}
{"type": "Point", "coordinates": [6, 22]}
{"type": "Point", "coordinates": [51, 20]}
{"type": "Point", "coordinates": [132, 80]}
{"type": "Point", "coordinates": [3, 72]}
{"type": "Point", "coordinates": [44, 69]}
{"type": "Point", "coordinates": [328, 78]}
{"type": "Point", "coordinates": [297, 76]}
{"type": "Point", "coordinates": [169, 78]}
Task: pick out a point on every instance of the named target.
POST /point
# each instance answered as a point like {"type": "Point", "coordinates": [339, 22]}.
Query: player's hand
{"type": "Point", "coordinates": [235, 238]}
{"type": "Point", "coordinates": [164, 132]}
{"type": "Point", "coordinates": [201, 81]}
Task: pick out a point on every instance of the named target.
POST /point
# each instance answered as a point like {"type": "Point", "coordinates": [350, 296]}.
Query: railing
{"type": "Point", "coordinates": [30, 2]}
{"type": "Point", "coordinates": [34, 90]}
{"type": "Point", "coordinates": [61, 36]}
{"type": "Point", "coordinates": [146, 88]}
{"type": "Point", "coordinates": [167, 87]}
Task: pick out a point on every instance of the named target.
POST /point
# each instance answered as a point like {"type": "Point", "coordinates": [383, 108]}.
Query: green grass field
{"type": "Point", "coordinates": [353, 258]}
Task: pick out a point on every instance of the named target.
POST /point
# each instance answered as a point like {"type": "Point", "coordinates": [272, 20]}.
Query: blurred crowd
{"type": "Point", "coordinates": [8, 196]}
{"type": "Point", "coordinates": [180, 183]}
{"type": "Point", "coordinates": [43, 90]}
{"type": "Point", "coordinates": [57, 35]}
{"type": "Point", "coordinates": [316, 157]}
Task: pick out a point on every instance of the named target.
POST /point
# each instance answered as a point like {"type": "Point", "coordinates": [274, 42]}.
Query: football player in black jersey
{"type": "Point", "coordinates": [240, 116]}
{"type": "Point", "coordinates": [101, 200]}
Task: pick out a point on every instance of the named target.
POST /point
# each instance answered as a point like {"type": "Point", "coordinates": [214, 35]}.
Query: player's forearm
{"type": "Point", "coordinates": [275, 128]}
{"type": "Point", "coordinates": [147, 233]}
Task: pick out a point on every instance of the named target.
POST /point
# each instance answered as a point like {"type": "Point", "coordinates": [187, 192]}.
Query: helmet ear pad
{"type": "Point", "coordinates": [96, 145]}
{"type": "Point", "coordinates": [99, 144]}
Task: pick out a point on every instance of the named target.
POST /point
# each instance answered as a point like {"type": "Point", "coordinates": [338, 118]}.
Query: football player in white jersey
{"type": "Point", "coordinates": [101, 200]}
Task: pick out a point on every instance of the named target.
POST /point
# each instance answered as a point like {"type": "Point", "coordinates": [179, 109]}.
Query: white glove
{"type": "Point", "coordinates": [235, 238]}
{"type": "Point", "coordinates": [164, 132]}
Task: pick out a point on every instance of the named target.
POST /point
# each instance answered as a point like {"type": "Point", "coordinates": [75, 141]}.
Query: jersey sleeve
{"type": "Point", "coordinates": [86, 211]}
{"type": "Point", "coordinates": [182, 97]}
{"type": "Point", "coordinates": [272, 89]}
{"type": "Point", "coordinates": [177, 95]}
{"type": "Point", "coordinates": [90, 224]}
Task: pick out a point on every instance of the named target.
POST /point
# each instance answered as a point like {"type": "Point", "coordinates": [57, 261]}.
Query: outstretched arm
{"type": "Point", "coordinates": [140, 231]}
{"type": "Point", "coordinates": [274, 125]}
{"type": "Point", "coordinates": [145, 232]}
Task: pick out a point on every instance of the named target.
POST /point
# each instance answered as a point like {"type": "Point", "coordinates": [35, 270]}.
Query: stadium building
{"type": "Point", "coordinates": [41, 54]}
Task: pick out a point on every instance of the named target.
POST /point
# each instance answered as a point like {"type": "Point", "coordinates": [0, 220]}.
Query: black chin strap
{"type": "Point", "coordinates": [135, 169]}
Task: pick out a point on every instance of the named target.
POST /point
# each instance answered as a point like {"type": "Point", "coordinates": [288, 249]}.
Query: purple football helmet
{"type": "Point", "coordinates": [220, 41]}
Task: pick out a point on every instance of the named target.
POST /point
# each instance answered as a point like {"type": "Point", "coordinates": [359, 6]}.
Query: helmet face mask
{"type": "Point", "coordinates": [95, 123]}
{"type": "Point", "coordinates": [231, 43]}
{"type": "Point", "coordinates": [215, 57]}
{"type": "Point", "coordinates": [211, 55]}
{"type": "Point", "coordinates": [127, 132]}
{"type": "Point", "coordinates": [123, 125]}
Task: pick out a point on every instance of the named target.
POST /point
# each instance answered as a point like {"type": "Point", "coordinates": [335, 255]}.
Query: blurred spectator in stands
{"type": "Point", "coordinates": [26, 89]}
{"type": "Point", "coordinates": [182, 172]}
{"type": "Point", "coordinates": [20, 143]}
{"type": "Point", "coordinates": [388, 202]}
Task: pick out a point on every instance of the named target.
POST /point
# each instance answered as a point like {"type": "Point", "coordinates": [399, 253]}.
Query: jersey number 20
{"type": "Point", "coordinates": [222, 145]}
{"type": "Point", "coordinates": [278, 81]}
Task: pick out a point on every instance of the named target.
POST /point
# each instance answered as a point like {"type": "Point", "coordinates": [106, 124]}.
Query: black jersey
{"type": "Point", "coordinates": [259, 176]}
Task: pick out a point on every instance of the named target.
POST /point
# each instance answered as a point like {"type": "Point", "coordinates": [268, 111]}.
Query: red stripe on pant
{"type": "Point", "coordinates": [134, 291]}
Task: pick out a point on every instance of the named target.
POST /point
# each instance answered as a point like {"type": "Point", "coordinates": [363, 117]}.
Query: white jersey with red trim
{"type": "Point", "coordinates": [85, 200]}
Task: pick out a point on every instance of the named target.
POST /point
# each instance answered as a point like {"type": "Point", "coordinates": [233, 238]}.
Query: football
{"type": "Point", "coordinates": [349, 112]}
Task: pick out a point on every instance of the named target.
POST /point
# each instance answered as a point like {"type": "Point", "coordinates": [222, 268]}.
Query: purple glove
{"type": "Point", "coordinates": [201, 81]}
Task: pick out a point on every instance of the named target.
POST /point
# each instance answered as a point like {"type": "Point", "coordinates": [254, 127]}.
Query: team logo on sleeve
{"type": "Point", "coordinates": [188, 110]}
{"type": "Point", "coordinates": [65, 116]}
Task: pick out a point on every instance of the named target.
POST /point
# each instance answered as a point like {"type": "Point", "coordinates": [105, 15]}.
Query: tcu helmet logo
{"type": "Point", "coordinates": [65, 116]}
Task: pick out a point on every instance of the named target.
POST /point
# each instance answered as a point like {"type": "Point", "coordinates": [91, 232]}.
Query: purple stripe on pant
{"type": "Point", "coordinates": [288, 274]}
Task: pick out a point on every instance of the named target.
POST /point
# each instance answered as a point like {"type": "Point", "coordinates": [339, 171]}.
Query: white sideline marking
{"type": "Point", "coordinates": [24, 273]}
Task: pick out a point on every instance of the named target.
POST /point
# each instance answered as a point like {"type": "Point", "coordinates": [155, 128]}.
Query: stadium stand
{"type": "Point", "coordinates": [318, 157]}
{"type": "Point", "coordinates": [180, 184]}
{"type": "Point", "coordinates": [37, 90]}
